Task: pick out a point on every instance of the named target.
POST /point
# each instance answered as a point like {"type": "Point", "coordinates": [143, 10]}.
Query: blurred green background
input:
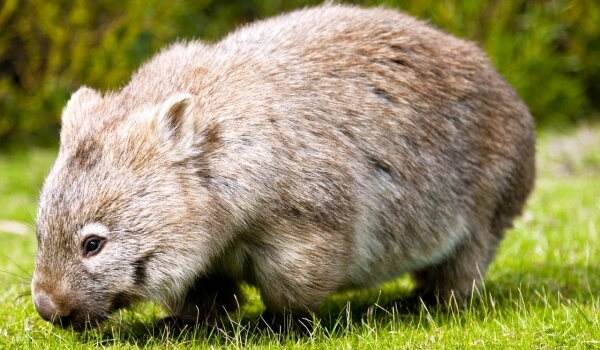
{"type": "Point", "coordinates": [549, 50]}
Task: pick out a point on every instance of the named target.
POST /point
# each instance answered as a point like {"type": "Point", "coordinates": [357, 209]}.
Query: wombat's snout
{"type": "Point", "coordinates": [49, 311]}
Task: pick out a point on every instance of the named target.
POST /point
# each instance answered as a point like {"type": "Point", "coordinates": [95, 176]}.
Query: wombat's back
{"type": "Point", "coordinates": [366, 123]}
{"type": "Point", "coordinates": [374, 124]}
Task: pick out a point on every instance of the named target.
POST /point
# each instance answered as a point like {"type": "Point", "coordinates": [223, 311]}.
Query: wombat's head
{"type": "Point", "coordinates": [118, 220]}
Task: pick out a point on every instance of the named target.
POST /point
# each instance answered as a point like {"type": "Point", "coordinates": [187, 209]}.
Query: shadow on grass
{"type": "Point", "coordinates": [540, 287]}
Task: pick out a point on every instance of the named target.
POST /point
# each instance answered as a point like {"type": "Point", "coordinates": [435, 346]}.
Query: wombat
{"type": "Point", "coordinates": [327, 149]}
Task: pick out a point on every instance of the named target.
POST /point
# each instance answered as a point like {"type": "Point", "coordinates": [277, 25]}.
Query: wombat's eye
{"type": "Point", "coordinates": [92, 245]}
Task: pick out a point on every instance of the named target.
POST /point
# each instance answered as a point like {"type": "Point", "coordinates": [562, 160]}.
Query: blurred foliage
{"type": "Point", "coordinates": [549, 50]}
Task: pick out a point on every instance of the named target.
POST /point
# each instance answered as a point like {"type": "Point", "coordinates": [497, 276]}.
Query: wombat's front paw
{"type": "Point", "coordinates": [286, 324]}
{"type": "Point", "coordinates": [173, 325]}
{"type": "Point", "coordinates": [176, 325]}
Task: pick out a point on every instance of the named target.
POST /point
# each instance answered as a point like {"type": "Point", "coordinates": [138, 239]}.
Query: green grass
{"type": "Point", "coordinates": [541, 291]}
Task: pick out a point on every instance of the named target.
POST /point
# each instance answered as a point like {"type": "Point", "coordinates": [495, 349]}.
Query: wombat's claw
{"type": "Point", "coordinates": [406, 305]}
{"type": "Point", "coordinates": [176, 325]}
{"type": "Point", "coordinates": [285, 324]}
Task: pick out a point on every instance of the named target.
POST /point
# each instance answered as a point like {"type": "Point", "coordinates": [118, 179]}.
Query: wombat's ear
{"type": "Point", "coordinates": [76, 111]}
{"type": "Point", "coordinates": [175, 120]}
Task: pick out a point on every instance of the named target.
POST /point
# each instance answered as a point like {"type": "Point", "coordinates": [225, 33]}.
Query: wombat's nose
{"type": "Point", "coordinates": [48, 310]}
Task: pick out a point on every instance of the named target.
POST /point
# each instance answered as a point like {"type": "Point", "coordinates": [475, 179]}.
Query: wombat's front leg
{"type": "Point", "coordinates": [296, 271]}
{"type": "Point", "coordinates": [207, 301]}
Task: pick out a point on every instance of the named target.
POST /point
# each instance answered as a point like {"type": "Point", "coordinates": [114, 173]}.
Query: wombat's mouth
{"type": "Point", "coordinates": [78, 318]}
{"type": "Point", "coordinates": [79, 323]}
{"type": "Point", "coordinates": [82, 321]}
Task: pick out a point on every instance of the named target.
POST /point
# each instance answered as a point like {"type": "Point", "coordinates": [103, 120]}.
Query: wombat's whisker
{"type": "Point", "coordinates": [30, 220]}
{"type": "Point", "coordinates": [23, 295]}
{"type": "Point", "coordinates": [21, 278]}
{"type": "Point", "coordinates": [27, 273]}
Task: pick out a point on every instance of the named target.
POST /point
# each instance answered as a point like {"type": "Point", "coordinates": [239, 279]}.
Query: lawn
{"type": "Point", "coordinates": [541, 291]}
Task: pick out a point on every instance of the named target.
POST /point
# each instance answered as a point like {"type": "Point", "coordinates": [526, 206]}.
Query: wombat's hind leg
{"type": "Point", "coordinates": [453, 280]}
{"type": "Point", "coordinates": [209, 300]}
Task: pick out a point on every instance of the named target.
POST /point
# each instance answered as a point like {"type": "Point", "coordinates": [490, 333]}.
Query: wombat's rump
{"type": "Point", "coordinates": [330, 148]}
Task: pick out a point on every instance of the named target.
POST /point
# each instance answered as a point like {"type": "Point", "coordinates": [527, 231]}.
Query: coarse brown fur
{"type": "Point", "coordinates": [331, 148]}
